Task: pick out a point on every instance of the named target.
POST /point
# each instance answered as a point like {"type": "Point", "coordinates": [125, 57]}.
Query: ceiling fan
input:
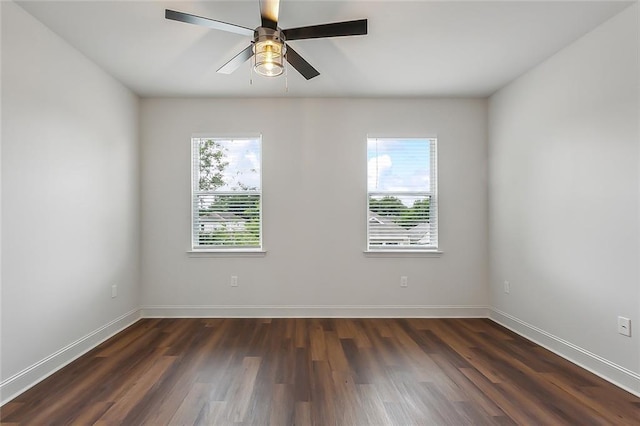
{"type": "Point", "coordinates": [269, 47]}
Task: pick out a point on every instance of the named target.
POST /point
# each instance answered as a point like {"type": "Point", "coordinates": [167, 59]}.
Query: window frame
{"type": "Point", "coordinates": [433, 250]}
{"type": "Point", "coordinates": [221, 250]}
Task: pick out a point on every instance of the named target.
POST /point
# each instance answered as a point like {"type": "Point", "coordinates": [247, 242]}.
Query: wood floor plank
{"type": "Point", "coordinates": [301, 333]}
{"type": "Point", "coordinates": [469, 390]}
{"type": "Point", "coordinates": [398, 414]}
{"type": "Point", "coordinates": [604, 409]}
{"type": "Point", "coordinates": [240, 394]}
{"type": "Point", "coordinates": [345, 328]}
{"type": "Point", "coordinates": [279, 372]}
{"type": "Point", "coordinates": [348, 407]}
{"type": "Point", "coordinates": [335, 353]}
{"type": "Point", "coordinates": [125, 403]}
{"type": "Point", "coordinates": [119, 385]}
{"type": "Point", "coordinates": [413, 402]}
{"type": "Point", "coordinates": [91, 413]}
{"type": "Point", "coordinates": [361, 335]}
{"type": "Point", "coordinates": [303, 414]}
{"type": "Point", "coordinates": [127, 338]}
{"type": "Point", "coordinates": [318, 346]}
{"type": "Point", "coordinates": [506, 404]}
{"type": "Point", "coordinates": [323, 393]}
{"type": "Point", "coordinates": [192, 406]}
{"type": "Point", "coordinates": [282, 410]}
{"type": "Point", "coordinates": [9, 408]}
{"type": "Point", "coordinates": [215, 415]}
{"type": "Point", "coordinates": [373, 406]}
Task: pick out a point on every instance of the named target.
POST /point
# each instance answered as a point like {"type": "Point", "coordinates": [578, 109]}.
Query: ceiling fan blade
{"type": "Point", "coordinates": [336, 29]}
{"type": "Point", "coordinates": [302, 66]}
{"type": "Point", "coordinates": [269, 10]}
{"type": "Point", "coordinates": [236, 61]}
{"type": "Point", "coordinates": [206, 22]}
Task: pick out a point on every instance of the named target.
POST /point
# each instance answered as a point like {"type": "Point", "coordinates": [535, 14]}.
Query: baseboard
{"type": "Point", "coordinates": [611, 372]}
{"type": "Point", "coordinates": [315, 311]}
{"type": "Point", "coordinates": [23, 380]}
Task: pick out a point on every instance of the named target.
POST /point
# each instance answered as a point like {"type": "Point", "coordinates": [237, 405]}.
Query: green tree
{"type": "Point", "coordinates": [387, 206]}
{"type": "Point", "coordinates": [422, 208]}
{"type": "Point", "coordinates": [212, 165]}
{"type": "Point", "coordinates": [418, 213]}
{"type": "Point", "coordinates": [243, 205]}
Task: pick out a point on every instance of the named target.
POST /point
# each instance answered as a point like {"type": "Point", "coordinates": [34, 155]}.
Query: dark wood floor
{"type": "Point", "coordinates": [321, 372]}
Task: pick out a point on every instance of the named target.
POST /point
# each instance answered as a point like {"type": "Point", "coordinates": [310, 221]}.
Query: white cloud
{"type": "Point", "coordinates": [420, 180]}
{"type": "Point", "coordinates": [376, 167]}
{"type": "Point", "coordinates": [253, 159]}
{"type": "Point", "coordinates": [242, 157]}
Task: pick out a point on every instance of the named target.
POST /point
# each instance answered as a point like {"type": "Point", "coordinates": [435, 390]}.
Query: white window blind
{"type": "Point", "coordinates": [402, 200]}
{"type": "Point", "coordinates": [226, 194]}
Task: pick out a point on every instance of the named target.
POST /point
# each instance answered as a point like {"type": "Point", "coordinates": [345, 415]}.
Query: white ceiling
{"type": "Point", "coordinates": [414, 48]}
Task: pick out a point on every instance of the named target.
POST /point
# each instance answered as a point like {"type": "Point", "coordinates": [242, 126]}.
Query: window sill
{"type": "Point", "coordinates": [403, 253]}
{"type": "Point", "coordinates": [226, 253]}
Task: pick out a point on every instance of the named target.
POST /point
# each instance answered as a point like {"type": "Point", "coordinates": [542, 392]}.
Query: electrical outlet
{"type": "Point", "coordinates": [114, 291]}
{"type": "Point", "coordinates": [404, 281]}
{"type": "Point", "coordinates": [624, 326]}
{"type": "Point", "coordinates": [507, 287]}
{"type": "Point", "coordinates": [234, 281]}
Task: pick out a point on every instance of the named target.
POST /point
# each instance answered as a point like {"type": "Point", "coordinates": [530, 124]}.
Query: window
{"type": "Point", "coordinates": [226, 194]}
{"type": "Point", "coordinates": [402, 198]}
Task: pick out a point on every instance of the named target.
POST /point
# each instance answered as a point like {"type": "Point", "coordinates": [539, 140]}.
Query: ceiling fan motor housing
{"type": "Point", "coordinates": [269, 50]}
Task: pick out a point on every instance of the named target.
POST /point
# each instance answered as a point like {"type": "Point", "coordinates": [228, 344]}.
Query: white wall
{"type": "Point", "coordinates": [314, 188]}
{"type": "Point", "coordinates": [564, 200]}
{"type": "Point", "coordinates": [70, 202]}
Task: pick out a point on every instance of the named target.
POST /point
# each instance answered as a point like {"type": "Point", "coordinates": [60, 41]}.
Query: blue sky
{"type": "Point", "coordinates": [397, 165]}
{"type": "Point", "coordinates": [243, 155]}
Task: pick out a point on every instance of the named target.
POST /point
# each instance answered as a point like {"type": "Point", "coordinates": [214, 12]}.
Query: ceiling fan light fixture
{"type": "Point", "coordinates": [268, 52]}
